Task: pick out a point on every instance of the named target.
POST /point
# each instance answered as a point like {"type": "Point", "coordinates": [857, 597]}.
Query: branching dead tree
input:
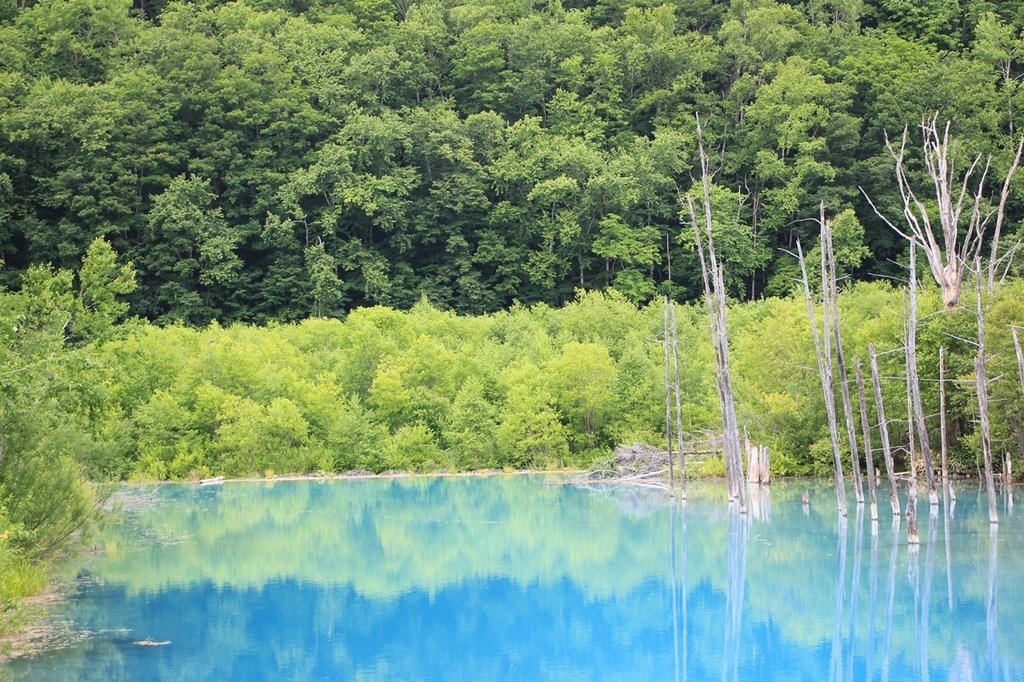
{"type": "Point", "coordinates": [713, 274]}
{"type": "Point", "coordinates": [915, 384]}
{"type": "Point", "coordinates": [883, 431]}
{"type": "Point", "coordinates": [961, 213]}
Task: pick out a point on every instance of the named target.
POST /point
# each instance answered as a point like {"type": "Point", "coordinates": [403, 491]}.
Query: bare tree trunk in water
{"type": "Point", "coordinates": [912, 536]}
{"type": "Point", "coordinates": [911, 450]}
{"type": "Point", "coordinates": [943, 433]}
{"type": "Point", "coordinates": [883, 430]}
{"type": "Point", "coordinates": [668, 396]}
{"type": "Point", "coordinates": [866, 428]}
{"type": "Point", "coordinates": [679, 400]}
{"type": "Point", "coordinates": [986, 438]}
{"type": "Point", "coordinates": [844, 387]}
{"type": "Point", "coordinates": [714, 292]}
{"type": "Point", "coordinates": [824, 360]}
{"type": "Point", "coordinates": [915, 385]}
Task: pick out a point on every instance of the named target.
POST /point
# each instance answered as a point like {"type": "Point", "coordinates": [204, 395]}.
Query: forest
{"type": "Point", "coordinates": [270, 237]}
{"type": "Point", "coordinates": [266, 160]}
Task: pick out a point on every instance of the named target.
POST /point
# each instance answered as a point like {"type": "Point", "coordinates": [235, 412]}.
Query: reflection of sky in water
{"type": "Point", "coordinates": [514, 578]}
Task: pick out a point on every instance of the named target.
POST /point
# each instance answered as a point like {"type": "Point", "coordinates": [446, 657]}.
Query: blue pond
{"type": "Point", "coordinates": [519, 578]}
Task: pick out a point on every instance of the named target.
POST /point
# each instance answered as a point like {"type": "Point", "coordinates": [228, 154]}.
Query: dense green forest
{"type": "Point", "coordinates": [268, 236]}
{"type": "Point", "coordinates": [267, 159]}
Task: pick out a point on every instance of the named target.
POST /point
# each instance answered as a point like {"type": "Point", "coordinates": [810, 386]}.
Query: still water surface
{"type": "Point", "coordinates": [516, 578]}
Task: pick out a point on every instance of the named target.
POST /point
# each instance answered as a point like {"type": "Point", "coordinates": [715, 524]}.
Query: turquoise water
{"type": "Point", "coordinates": [515, 578]}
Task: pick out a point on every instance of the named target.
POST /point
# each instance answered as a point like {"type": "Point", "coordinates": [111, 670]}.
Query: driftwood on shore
{"type": "Point", "coordinates": [646, 465]}
{"type": "Point", "coordinates": [636, 464]}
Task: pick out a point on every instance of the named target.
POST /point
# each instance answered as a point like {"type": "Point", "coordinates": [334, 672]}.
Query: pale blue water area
{"type": "Point", "coordinates": [516, 578]}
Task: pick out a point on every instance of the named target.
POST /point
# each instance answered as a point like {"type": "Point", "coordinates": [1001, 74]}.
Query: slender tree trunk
{"type": "Point", "coordinates": [679, 400]}
{"type": "Point", "coordinates": [883, 430]}
{"type": "Point", "coordinates": [668, 396]}
{"type": "Point", "coordinates": [824, 361]}
{"type": "Point", "coordinates": [1020, 356]}
{"type": "Point", "coordinates": [715, 294]}
{"type": "Point", "coordinates": [911, 450]}
{"type": "Point", "coordinates": [844, 387]}
{"type": "Point", "coordinates": [668, 257]}
{"type": "Point", "coordinates": [1000, 213]}
{"type": "Point", "coordinates": [733, 431]}
{"type": "Point", "coordinates": [866, 429]}
{"type": "Point", "coordinates": [713, 322]}
{"type": "Point", "coordinates": [912, 536]}
{"type": "Point", "coordinates": [986, 438]}
{"type": "Point", "coordinates": [915, 384]}
{"type": "Point", "coordinates": [943, 433]}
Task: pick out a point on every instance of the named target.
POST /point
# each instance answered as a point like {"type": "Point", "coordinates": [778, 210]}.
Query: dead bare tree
{"type": "Point", "coordinates": [831, 311]}
{"type": "Point", "coordinates": [866, 428]}
{"type": "Point", "coordinates": [668, 394]}
{"type": "Point", "coordinates": [883, 431]}
{"type": "Point", "coordinates": [993, 259]}
{"type": "Point", "coordinates": [915, 384]}
{"type": "Point", "coordinates": [911, 450]}
{"type": "Point", "coordinates": [980, 372]}
{"type": "Point", "coordinates": [823, 357]}
{"type": "Point", "coordinates": [912, 537]}
{"type": "Point", "coordinates": [677, 385]}
{"type": "Point", "coordinates": [713, 274]}
{"type": "Point", "coordinates": [1020, 356]}
{"type": "Point", "coordinates": [958, 239]}
{"type": "Point", "coordinates": [986, 438]}
{"type": "Point", "coordinates": [943, 435]}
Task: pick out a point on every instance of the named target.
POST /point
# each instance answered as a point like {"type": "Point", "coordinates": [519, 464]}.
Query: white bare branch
{"type": "Point", "coordinates": [961, 215]}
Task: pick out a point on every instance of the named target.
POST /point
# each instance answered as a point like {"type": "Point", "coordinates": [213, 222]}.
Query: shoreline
{"type": "Point", "coordinates": [360, 476]}
{"type": "Point", "coordinates": [37, 633]}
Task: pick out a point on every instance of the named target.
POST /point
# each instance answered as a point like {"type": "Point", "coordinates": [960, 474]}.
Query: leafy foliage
{"type": "Point", "coordinates": [260, 161]}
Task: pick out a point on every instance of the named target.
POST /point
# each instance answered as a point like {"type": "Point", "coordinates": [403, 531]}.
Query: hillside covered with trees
{"type": "Point", "coordinates": [267, 160]}
{"type": "Point", "coordinates": [262, 237]}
